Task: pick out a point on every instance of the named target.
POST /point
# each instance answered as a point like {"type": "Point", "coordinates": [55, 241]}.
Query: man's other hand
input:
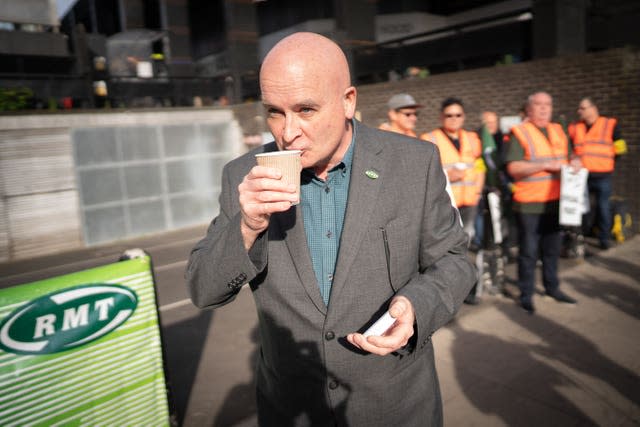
{"type": "Point", "coordinates": [396, 337]}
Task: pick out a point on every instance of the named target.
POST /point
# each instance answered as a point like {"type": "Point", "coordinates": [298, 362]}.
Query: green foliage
{"type": "Point", "coordinates": [14, 99]}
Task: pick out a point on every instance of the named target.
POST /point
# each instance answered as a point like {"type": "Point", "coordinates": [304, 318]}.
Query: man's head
{"type": "Point", "coordinates": [307, 93]}
{"type": "Point", "coordinates": [490, 120]}
{"type": "Point", "coordinates": [539, 108]}
{"type": "Point", "coordinates": [588, 111]}
{"type": "Point", "coordinates": [403, 111]}
{"type": "Point", "coordinates": [452, 115]}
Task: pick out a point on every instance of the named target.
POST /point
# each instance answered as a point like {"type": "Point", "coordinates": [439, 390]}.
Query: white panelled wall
{"type": "Point", "coordinates": [72, 180]}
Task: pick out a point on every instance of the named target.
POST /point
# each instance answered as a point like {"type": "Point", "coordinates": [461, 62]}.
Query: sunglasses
{"type": "Point", "coordinates": [409, 114]}
{"type": "Point", "coordinates": [450, 116]}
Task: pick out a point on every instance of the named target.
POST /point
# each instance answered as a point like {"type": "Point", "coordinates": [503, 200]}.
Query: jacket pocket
{"type": "Point", "coordinates": [401, 248]}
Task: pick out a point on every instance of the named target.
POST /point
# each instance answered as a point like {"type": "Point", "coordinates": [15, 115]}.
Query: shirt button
{"type": "Point", "coordinates": [333, 385]}
{"type": "Point", "coordinates": [330, 277]}
{"type": "Point", "coordinates": [329, 234]}
{"type": "Point", "coordinates": [327, 189]}
{"type": "Point", "coordinates": [329, 336]}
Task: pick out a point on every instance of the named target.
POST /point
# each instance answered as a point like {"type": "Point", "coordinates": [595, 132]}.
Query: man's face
{"type": "Point", "coordinates": [587, 111]}
{"type": "Point", "coordinates": [307, 113]}
{"type": "Point", "coordinates": [404, 118]}
{"type": "Point", "coordinates": [490, 120]}
{"type": "Point", "coordinates": [452, 118]}
{"type": "Point", "coordinates": [540, 109]}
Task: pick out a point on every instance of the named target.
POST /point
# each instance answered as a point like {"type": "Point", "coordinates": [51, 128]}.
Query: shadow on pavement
{"type": "Point", "coordinates": [184, 344]}
{"type": "Point", "coordinates": [570, 348]}
{"type": "Point", "coordinates": [493, 380]}
{"type": "Point", "coordinates": [601, 288]}
{"type": "Point", "coordinates": [520, 378]}
{"type": "Point", "coordinates": [240, 402]}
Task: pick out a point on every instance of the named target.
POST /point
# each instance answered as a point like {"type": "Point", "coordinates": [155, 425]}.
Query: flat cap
{"type": "Point", "coordinates": [402, 100]}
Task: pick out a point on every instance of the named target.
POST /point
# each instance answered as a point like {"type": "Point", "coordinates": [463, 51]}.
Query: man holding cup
{"type": "Point", "coordinates": [374, 232]}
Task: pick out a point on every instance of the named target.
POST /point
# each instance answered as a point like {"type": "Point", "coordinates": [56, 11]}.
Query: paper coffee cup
{"type": "Point", "coordinates": [288, 161]}
{"type": "Point", "coordinates": [460, 166]}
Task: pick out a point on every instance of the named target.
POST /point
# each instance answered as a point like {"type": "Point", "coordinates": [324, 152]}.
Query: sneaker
{"type": "Point", "coordinates": [562, 297]}
{"type": "Point", "coordinates": [605, 245]}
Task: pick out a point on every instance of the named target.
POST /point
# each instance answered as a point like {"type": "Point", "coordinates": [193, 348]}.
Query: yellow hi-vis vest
{"type": "Point", "coordinates": [543, 186]}
{"type": "Point", "coordinates": [466, 192]}
{"type": "Point", "coordinates": [595, 146]}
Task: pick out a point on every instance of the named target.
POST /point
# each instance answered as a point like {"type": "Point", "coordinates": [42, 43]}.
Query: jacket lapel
{"type": "Point", "coordinates": [367, 174]}
{"type": "Point", "coordinates": [290, 226]}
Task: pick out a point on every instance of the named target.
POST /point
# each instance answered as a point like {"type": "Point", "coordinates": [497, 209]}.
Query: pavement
{"type": "Point", "coordinates": [498, 365]}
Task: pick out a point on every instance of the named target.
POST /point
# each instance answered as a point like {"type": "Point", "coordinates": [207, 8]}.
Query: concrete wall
{"type": "Point", "coordinates": [41, 206]}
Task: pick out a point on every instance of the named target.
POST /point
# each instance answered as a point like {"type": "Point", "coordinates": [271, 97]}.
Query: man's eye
{"type": "Point", "coordinates": [272, 112]}
{"type": "Point", "coordinates": [306, 110]}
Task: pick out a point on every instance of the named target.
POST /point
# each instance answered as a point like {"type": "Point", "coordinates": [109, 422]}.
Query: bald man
{"type": "Point", "coordinates": [374, 231]}
{"type": "Point", "coordinates": [538, 148]}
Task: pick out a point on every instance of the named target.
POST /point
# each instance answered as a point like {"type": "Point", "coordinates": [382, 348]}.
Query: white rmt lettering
{"type": "Point", "coordinates": [102, 306]}
{"type": "Point", "coordinates": [74, 318]}
{"type": "Point", "coordinates": [45, 325]}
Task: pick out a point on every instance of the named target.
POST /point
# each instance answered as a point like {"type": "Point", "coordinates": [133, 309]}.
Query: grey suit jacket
{"type": "Point", "coordinates": [307, 373]}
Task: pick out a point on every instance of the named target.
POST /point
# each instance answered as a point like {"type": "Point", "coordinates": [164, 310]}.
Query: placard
{"type": "Point", "coordinates": [83, 349]}
{"type": "Point", "coordinates": [572, 195]}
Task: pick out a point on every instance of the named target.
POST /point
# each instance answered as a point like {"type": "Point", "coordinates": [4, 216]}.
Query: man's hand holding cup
{"type": "Point", "coordinates": [271, 186]}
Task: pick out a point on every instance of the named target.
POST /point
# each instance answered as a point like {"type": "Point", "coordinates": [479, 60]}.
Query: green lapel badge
{"type": "Point", "coordinates": [371, 174]}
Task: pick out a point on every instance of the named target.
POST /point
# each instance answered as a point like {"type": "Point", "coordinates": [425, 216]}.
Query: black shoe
{"type": "Point", "coordinates": [605, 245]}
{"type": "Point", "coordinates": [528, 306]}
{"type": "Point", "coordinates": [562, 297]}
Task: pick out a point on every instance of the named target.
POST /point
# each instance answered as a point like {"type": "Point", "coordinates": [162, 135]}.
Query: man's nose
{"type": "Point", "coordinates": [291, 129]}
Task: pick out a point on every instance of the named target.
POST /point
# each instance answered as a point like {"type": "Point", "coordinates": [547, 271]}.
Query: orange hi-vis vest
{"type": "Point", "coordinates": [466, 192]}
{"type": "Point", "coordinates": [543, 186]}
{"type": "Point", "coordinates": [391, 128]}
{"type": "Point", "coordinates": [595, 146]}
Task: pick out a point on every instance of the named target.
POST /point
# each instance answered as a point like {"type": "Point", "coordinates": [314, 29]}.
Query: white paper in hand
{"type": "Point", "coordinates": [572, 192]}
{"type": "Point", "coordinates": [380, 326]}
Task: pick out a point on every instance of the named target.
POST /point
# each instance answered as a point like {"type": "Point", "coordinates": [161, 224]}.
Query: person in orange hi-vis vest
{"type": "Point", "coordinates": [537, 150]}
{"type": "Point", "coordinates": [596, 139]}
{"type": "Point", "coordinates": [461, 156]}
{"type": "Point", "coordinates": [403, 115]}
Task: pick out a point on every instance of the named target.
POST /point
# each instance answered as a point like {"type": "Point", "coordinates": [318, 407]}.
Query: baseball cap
{"type": "Point", "coordinates": [402, 100]}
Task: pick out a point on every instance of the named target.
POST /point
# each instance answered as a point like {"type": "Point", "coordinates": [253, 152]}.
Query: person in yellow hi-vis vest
{"type": "Point", "coordinates": [461, 156]}
{"type": "Point", "coordinates": [537, 150]}
{"type": "Point", "coordinates": [597, 140]}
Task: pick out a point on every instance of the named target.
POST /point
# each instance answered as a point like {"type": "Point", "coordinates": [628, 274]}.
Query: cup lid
{"type": "Point", "coordinates": [279, 153]}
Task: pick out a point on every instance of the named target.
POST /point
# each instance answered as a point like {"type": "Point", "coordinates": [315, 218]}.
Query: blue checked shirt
{"type": "Point", "coordinates": [323, 206]}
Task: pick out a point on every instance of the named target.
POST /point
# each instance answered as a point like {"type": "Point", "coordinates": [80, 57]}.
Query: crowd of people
{"type": "Point", "coordinates": [522, 167]}
{"type": "Point", "coordinates": [371, 234]}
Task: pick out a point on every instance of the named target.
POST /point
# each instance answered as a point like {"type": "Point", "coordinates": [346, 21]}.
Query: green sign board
{"type": "Point", "coordinates": [83, 349]}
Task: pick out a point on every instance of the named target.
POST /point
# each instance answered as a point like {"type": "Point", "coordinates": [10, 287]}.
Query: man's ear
{"type": "Point", "coordinates": [349, 101]}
